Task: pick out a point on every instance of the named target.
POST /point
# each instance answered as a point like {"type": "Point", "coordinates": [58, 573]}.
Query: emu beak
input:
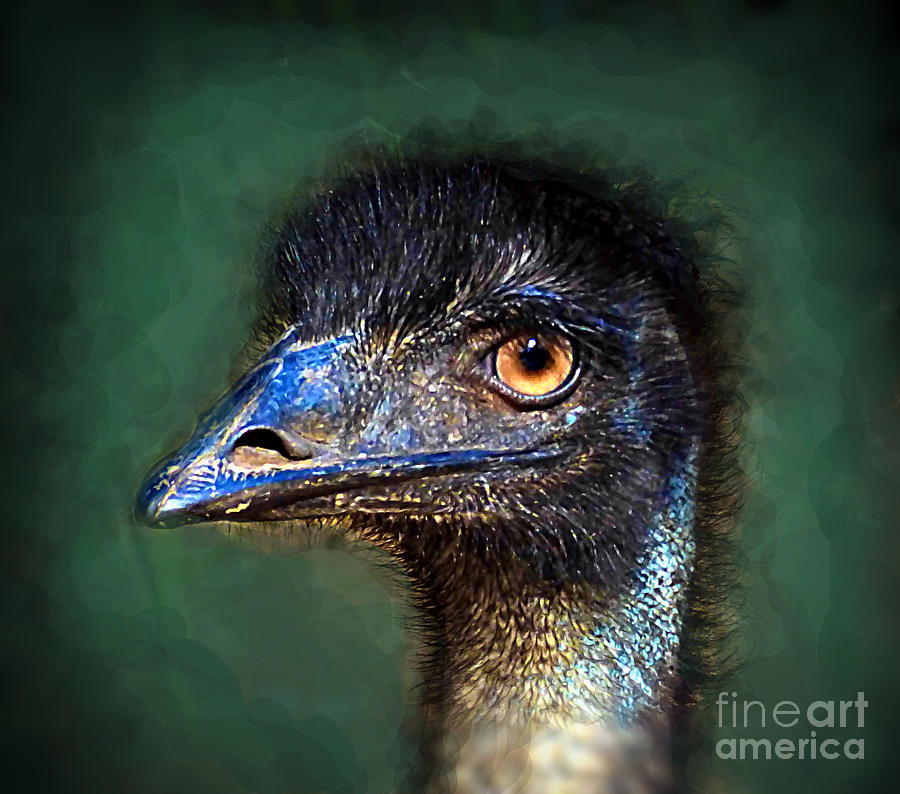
{"type": "Point", "coordinates": [246, 460]}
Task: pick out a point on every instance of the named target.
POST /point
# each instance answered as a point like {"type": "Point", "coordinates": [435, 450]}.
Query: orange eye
{"type": "Point", "coordinates": [533, 367]}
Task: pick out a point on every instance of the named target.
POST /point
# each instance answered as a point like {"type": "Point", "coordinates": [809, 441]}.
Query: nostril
{"type": "Point", "coordinates": [263, 439]}
{"type": "Point", "coordinates": [260, 445]}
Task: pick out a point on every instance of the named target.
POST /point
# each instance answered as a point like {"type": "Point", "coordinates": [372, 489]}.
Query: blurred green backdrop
{"type": "Point", "coordinates": [144, 150]}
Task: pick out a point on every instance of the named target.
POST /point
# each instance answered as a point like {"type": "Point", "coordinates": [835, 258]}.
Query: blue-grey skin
{"type": "Point", "coordinates": [551, 543]}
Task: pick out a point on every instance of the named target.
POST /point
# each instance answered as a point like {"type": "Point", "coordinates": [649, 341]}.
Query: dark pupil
{"type": "Point", "coordinates": [534, 356]}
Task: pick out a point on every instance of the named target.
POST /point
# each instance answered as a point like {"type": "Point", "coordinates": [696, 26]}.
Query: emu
{"type": "Point", "coordinates": [511, 383]}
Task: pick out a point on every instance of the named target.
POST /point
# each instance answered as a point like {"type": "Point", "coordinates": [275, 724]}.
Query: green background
{"type": "Point", "coordinates": [144, 151]}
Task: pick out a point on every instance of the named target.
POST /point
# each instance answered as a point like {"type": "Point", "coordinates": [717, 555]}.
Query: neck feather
{"type": "Point", "coordinates": [512, 651]}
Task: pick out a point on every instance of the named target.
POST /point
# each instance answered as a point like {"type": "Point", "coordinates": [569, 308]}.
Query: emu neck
{"type": "Point", "coordinates": [511, 651]}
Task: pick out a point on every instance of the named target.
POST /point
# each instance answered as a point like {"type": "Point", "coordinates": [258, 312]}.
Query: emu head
{"type": "Point", "coordinates": [496, 378]}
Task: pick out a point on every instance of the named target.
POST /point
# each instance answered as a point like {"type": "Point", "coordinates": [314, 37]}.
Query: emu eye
{"type": "Point", "coordinates": [533, 370]}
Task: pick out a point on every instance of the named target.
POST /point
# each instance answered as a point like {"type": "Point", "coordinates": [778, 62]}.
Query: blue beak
{"type": "Point", "coordinates": [247, 460]}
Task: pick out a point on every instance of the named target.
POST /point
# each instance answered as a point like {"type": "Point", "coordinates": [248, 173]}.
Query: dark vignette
{"type": "Point", "coordinates": [114, 680]}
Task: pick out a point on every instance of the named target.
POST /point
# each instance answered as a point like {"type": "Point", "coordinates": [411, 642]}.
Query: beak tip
{"type": "Point", "coordinates": [155, 508]}
{"type": "Point", "coordinates": [148, 510]}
